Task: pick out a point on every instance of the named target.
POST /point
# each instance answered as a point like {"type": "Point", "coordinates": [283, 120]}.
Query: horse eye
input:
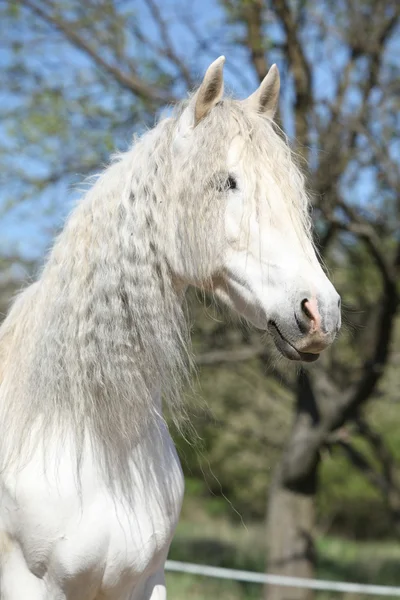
{"type": "Point", "coordinates": [225, 183]}
{"type": "Point", "coordinates": [231, 183]}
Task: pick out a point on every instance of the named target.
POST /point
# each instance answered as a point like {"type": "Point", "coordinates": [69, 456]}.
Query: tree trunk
{"type": "Point", "coordinates": [291, 507]}
{"type": "Point", "coordinates": [290, 523]}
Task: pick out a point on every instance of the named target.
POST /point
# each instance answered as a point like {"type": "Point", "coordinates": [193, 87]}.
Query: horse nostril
{"type": "Point", "coordinates": [305, 309]}
{"type": "Point", "coordinates": [311, 312]}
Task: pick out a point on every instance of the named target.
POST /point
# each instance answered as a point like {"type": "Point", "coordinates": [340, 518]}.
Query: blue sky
{"type": "Point", "coordinates": [29, 228]}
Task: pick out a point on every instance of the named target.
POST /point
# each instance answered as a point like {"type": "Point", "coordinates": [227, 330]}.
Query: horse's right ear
{"type": "Point", "coordinates": [210, 91]}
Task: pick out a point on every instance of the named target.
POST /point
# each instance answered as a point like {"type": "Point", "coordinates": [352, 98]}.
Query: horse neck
{"type": "Point", "coordinates": [87, 347]}
{"type": "Point", "coordinates": [113, 313]}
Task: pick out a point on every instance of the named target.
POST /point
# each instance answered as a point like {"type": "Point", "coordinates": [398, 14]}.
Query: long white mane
{"type": "Point", "coordinates": [83, 349]}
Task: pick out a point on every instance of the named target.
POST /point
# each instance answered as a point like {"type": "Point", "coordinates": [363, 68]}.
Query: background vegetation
{"type": "Point", "coordinates": [321, 444]}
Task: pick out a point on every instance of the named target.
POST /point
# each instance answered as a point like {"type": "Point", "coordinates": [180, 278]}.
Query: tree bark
{"type": "Point", "coordinates": [291, 506]}
{"type": "Point", "coordinates": [290, 522]}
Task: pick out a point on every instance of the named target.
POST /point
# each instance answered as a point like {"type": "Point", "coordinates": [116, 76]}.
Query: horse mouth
{"type": "Point", "coordinates": [286, 348]}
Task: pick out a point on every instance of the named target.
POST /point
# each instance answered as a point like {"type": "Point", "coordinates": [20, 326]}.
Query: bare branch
{"type": "Point", "coordinates": [207, 46]}
{"type": "Point", "coordinates": [337, 152]}
{"type": "Point", "coordinates": [168, 49]}
{"type": "Point", "coordinates": [374, 367]}
{"type": "Point", "coordinates": [383, 477]}
{"type": "Point", "coordinates": [382, 452]}
{"type": "Point", "coordinates": [388, 169]}
{"type": "Point", "coordinates": [128, 81]}
{"type": "Point", "coordinates": [253, 18]}
{"type": "Point", "coordinates": [388, 306]}
{"type": "Point", "coordinates": [300, 69]}
{"type": "Point", "coordinates": [317, 418]}
{"type": "Point", "coordinates": [364, 230]}
{"type": "Point", "coordinates": [361, 463]}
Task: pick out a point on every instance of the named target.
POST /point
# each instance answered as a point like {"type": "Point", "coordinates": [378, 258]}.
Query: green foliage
{"type": "Point", "coordinates": [347, 502]}
{"type": "Point", "coordinates": [222, 544]}
{"type": "Point", "coordinates": [242, 420]}
{"type": "Point", "coordinates": [181, 587]}
{"type": "Point", "coordinates": [62, 116]}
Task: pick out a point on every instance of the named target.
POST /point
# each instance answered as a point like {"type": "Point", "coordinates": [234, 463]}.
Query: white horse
{"type": "Point", "coordinates": [90, 484]}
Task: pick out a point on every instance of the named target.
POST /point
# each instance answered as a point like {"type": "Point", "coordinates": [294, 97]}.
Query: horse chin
{"type": "Point", "coordinates": [287, 349]}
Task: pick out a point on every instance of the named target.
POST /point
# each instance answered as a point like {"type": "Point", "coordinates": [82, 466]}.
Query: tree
{"type": "Point", "coordinates": [127, 60]}
{"type": "Point", "coordinates": [351, 126]}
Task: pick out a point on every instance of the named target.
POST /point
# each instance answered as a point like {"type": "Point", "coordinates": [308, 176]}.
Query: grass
{"type": "Point", "coordinates": [182, 587]}
{"type": "Point", "coordinates": [365, 562]}
{"type": "Point", "coordinates": [219, 543]}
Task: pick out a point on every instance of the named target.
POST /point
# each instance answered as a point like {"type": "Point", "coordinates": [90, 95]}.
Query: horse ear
{"type": "Point", "coordinates": [210, 91]}
{"type": "Point", "coordinates": [265, 100]}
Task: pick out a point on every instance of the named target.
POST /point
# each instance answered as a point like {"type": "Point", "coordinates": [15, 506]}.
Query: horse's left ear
{"type": "Point", "coordinates": [210, 91]}
{"type": "Point", "coordinates": [266, 99]}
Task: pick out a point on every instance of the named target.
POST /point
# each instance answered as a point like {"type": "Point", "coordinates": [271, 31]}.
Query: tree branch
{"type": "Point", "coordinates": [312, 426]}
{"type": "Point", "coordinates": [364, 230]}
{"type": "Point", "coordinates": [300, 69]}
{"type": "Point", "coordinates": [337, 151]}
{"type": "Point", "coordinates": [361, 463]}
{"type": "Point", "coordinates": [129, 81]}
{"type": "Point", "coordinates": [383, 479]}
{"type": "Point", "coordinates": [242, 354]}
{"type": "Point", "coordinates": [381, 451]}
{"type": "Point", "coordinates": [168, 49]}
{"type": "Point", "coordinates": [253, 19]}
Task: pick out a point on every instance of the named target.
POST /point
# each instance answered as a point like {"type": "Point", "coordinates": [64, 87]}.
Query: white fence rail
{"type": "Point", "coordinates": [252, 577]}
